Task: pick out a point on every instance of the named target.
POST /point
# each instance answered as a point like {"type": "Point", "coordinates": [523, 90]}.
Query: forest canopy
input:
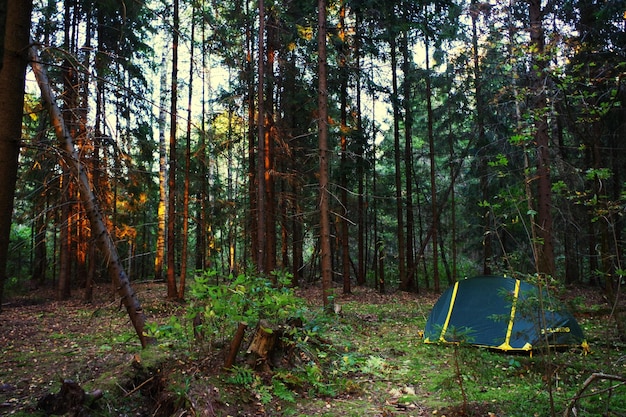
{"type": "Point", "coordinates": [455, 137]}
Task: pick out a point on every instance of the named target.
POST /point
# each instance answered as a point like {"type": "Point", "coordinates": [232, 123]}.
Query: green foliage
{"type": "Point", "coordinates": [244, 298]}
{"type": "Point", "coordinates": [246, 378]}
{"type": "Point", "coordinates": [241, 376]}
{"type": "Point", "coordinates": [167, 333]}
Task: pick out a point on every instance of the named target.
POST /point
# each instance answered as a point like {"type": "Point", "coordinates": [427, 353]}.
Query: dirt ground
{"type": "Point", "coordinates": [44, 342]}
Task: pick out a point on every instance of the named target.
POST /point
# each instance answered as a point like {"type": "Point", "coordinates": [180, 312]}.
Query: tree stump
{"type": "Point", "coordinates": [262, 342]}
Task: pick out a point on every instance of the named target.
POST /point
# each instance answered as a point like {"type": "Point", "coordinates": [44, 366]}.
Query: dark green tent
{"type": "Point", "coordinates": [501, 313]}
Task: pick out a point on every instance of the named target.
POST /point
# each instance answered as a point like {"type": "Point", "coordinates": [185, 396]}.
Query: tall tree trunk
{"type": "Point", "coordinates": [545, 243]}
{"type": "Point", "coordinates": [68, 218]}
{"type": "Point", "coordinates": [345, 245]}
{"type": "Point", "coordinates": [202, 198]}
{"type": "Point", "coordinates": [159, 258]}
{"type": "Point", "coordinates": [94, 162]}
{"type": "Point", "coordinates": [322, 127]}
{"type": "Point", "coordinates": [453, 240]}
{"type": "Point", "coordinates": [90, 204]}
{"type": "Point", "coordinates": [408, 162]}
{"type": "Point", "coordinates": [251, 224]}
{"type": "Point", "coordinates": [360, 161]}
{"type": "Point", "coordinates": [405, 285]}
{"type": "Point", "coordinates": [433, 182]}
{"type": "Point", "coordinates": [261, 255]}
{"type": "Point", "coordinates": [268, 142]}
{"type": "Point", "coordinates": [185, 219]}
{"type": "Point", "coordinates": [485, 217]}
{"type": "Point", "coordinates": [14, 39]}
{"type": "Point", "coordinates": [172, 291]}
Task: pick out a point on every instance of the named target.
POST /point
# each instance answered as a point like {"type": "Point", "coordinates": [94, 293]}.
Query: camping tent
{"type": "Point", "coordinates": [501, 313]}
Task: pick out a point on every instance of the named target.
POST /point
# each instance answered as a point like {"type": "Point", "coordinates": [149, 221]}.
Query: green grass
{"type": "Point", "coordinates": [515, 384]}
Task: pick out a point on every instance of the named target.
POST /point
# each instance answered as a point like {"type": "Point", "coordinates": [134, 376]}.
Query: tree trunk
{"type": "Point", "coordinates": [545, 243]}
{"type": "Point", "coordinates": [433, 182]}
{"type": "Point", "coordinates": [90, 204]}
{"type": "Point", "coordinates": [322, 127]}
{"type": "Point", "coordinates": [251, 224]}
{"type": "Point", "coordinates": [172, 292]}
{"type": "Point", "coordinates": [159, 257]}
{"type": "Point", "coordinates": [360, 162]}
{"type": "Point", "coordinates": [14, 39]}
{"type": "Point", "coordinates": [68, 222]}
{"type": "Point", "coordinates": [185, 232]}
{"type": "Point", "coordinates": [202, 198]}
{"type": "Point", "coordinates": [345, 245]}
{"type": "Point", "coordinates": [405, 285]}
{"type": "Point", "coordinates": [268, 143]}
{"type": "Point", "coordinates": [261, 256]}
{"type": "Point", "coordinates": [408, 162]}
{"type": "Point", "coordinates": [485, 218]}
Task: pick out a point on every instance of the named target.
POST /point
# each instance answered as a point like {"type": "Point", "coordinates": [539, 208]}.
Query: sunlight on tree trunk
{"type": "Point", "coordinates": [159, 256]}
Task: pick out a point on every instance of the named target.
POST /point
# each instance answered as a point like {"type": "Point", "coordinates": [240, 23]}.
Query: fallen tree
{"type": "Point", "coordinates": [99, 231]}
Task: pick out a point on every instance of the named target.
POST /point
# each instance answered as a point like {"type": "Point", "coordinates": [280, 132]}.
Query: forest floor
{"type": "Point", "coordinates": [381, 366]}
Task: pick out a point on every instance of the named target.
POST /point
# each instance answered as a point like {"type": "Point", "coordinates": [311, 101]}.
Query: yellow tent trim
{"type": "Point", "coordinates": [445, 324]}
{"type": "Point", "coordinates": [509, 329]}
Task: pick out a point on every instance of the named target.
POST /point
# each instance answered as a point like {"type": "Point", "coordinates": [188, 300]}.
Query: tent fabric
{"type": "Point", "coordinates": [501, 313]}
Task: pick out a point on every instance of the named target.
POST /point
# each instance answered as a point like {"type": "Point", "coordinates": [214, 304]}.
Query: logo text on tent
{"type": "Point", "coordinates": [551, 330]}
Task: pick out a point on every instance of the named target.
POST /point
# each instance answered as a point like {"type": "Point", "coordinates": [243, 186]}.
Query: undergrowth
{"type": "Point", "coordinates": [374, 351]}
{"type": "Point", "coordinates": [368, 360]}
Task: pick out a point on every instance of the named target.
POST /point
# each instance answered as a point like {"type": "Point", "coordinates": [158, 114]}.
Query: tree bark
{"type": "Point", "coordinates": [235, 345]}
{"type": "Point", "coordinates": [14, 40]}
{"type": "Point", "coordinates": [361, 208]}
{"type": "Point", "coordinates": [99, 231]}
{"type": "Point", "coordinates": [322, 127]}
{"type": "Point", "coordinates": [408, 161]}
{"type": "Point", "coordinates": [405, 285]}
{"type": "Point", "coordinates": [545, 243]}
{"type": "Point", "coordinates": [172, 292]}
{"type": "Point", "coordinates": [268, 141]}
{"type": "Point", "coordinates": [433, 182]}
{"type": "Point", "coordinates": [485, 218]}
{"type": "Point", "coordinates": [262, 344]}
{"type": "Point", "coordinates": [345, 246]}
{"type": "Point", "coordinates": [159, 257]}
{"type": "Point", "coordinates": [185, 233]}
{"type": "Point", "coordinates": [261, 255]}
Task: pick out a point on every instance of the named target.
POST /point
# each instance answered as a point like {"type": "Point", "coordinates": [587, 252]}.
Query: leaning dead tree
{"type": "Point", "coordinates": [88, 199]}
